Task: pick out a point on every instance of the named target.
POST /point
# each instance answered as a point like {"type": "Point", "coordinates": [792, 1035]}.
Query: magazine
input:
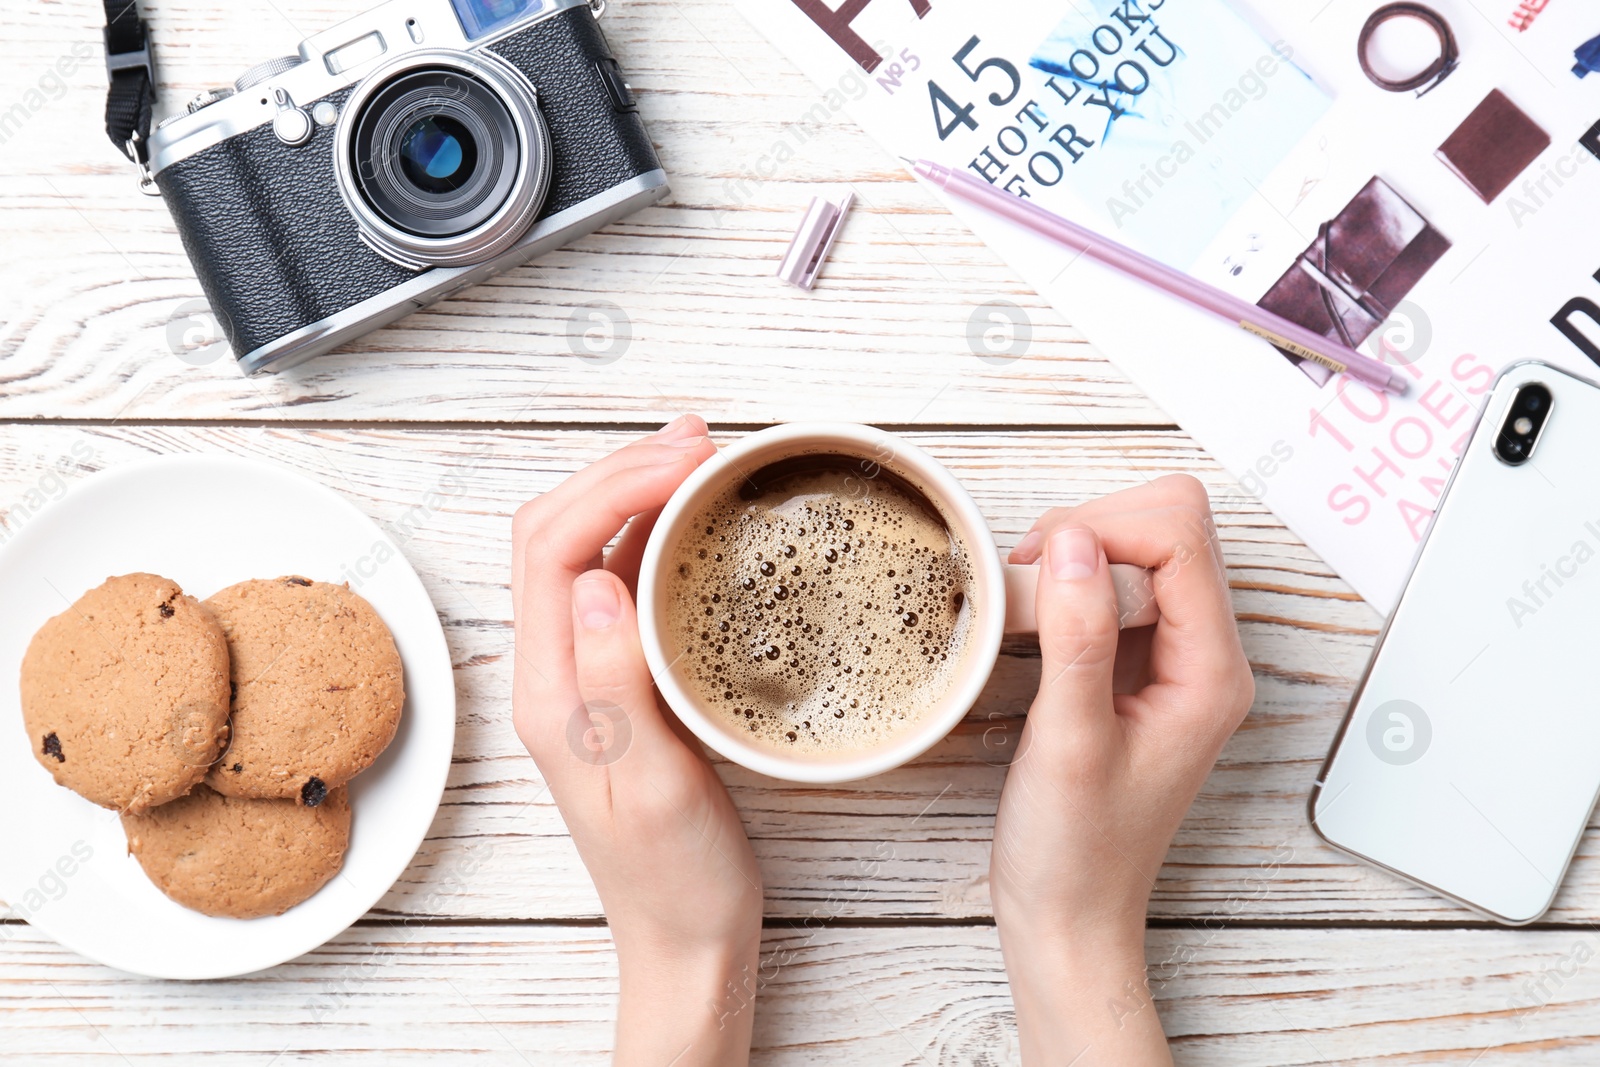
{"type": "Point", "coordinates": [1447, 229]}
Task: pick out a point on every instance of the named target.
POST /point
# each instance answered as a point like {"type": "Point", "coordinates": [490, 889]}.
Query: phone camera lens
{"type": "Point", "coordinates": [1524, 421]}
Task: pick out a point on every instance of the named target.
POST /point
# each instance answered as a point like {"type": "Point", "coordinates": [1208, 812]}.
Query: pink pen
{"type": "Point", "coordinates": [1287, 335]}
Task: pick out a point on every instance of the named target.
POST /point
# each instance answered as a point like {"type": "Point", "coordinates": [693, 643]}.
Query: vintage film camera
{"type": "Point", "coordinates": [423, 147]}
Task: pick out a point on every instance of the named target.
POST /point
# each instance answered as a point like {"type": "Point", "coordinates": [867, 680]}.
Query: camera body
{"type": "Point", "coordinates": [415, 150]}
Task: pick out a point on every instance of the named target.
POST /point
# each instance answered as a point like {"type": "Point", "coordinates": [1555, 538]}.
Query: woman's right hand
{"type": "Point", "coordinates": [1121, 736]}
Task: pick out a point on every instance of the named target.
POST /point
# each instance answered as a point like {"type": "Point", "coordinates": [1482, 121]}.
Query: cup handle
{"type": "Point", "coordinates": [1136, 597]}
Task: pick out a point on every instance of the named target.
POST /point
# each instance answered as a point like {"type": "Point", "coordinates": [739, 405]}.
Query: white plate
{"type": "Point", "coordinates": [207, 522]}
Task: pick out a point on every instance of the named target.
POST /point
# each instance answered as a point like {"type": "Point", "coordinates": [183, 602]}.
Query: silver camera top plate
{"type": "Point", "coordinates": [334, 59]}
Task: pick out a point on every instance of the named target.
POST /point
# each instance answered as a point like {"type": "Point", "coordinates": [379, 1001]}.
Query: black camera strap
{"type": "Point", "coordinates": [131, 76]}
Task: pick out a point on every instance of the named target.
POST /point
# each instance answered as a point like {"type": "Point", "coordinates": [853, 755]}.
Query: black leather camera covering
{"type": "Point", "coordinates": [272, 243]}
{"type": "Point", "coordinates": [596, 145]}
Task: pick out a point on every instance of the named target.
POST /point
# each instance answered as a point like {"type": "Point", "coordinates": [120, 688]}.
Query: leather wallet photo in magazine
{"type": "Point", "coordinates": [1362, 264]}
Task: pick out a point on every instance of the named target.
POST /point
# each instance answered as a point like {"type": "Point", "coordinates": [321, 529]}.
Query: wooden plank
{"type": "Point", "coordinates": [1306, 634]}
{"type": "Point", "coordinates": [863, 996]}
{"type": "Point", "coordinates": [100, 310]}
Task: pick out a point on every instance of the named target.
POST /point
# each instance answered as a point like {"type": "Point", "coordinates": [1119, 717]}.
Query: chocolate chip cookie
{"type": "Point", "coordinates": [240, 857]}
{"type": "Point", "coordinates": [317, 688]}
{"type": "Point", "coordinates": [125, 694]}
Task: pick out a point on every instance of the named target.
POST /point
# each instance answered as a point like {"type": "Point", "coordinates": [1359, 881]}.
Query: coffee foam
{"type": "Point", "coordinates": [823, 613]}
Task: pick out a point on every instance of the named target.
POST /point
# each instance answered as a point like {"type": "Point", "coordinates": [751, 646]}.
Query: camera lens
{"type": "Point", "coordinates": [443, 158]}
{"type": "Point", "coordinates": [1525, 418]}
{"type": "Point", "coordinates": [438, 154]}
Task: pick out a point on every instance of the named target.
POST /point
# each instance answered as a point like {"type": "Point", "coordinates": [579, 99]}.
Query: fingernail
{"type": "Point", "coordinates": [595, 601]}
{"type": "Point", "coordinates": [674, 425]}
{"type": "Point", "coordinates": [1073, 553]}
{"type": "Point", "coordinates": [1029, 545]}
{"type": "Point", "coordinates": [679, 448]}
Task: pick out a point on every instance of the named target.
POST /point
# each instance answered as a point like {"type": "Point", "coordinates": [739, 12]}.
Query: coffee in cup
{"type": "Point", "coordinates": [819, 611]}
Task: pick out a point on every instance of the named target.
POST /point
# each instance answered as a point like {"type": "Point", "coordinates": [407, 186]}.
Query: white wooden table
{"type": "Point", "coordinates": [1266, 947]}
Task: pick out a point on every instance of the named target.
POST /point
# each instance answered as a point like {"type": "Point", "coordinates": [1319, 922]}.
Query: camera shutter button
{"type": "Point", "coordinates": [292, 124]}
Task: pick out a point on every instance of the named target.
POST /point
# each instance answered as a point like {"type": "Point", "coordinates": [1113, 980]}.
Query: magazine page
{"type": "Point", "coordinates": [1440, 227]}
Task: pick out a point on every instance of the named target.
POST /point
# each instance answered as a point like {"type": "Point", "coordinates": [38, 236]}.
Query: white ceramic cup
{"type": "Point", "coordinates": [1002, 595]}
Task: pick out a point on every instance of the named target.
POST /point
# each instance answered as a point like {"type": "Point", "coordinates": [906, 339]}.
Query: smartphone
{"type": "Point", "coordinates": [1469, 760]}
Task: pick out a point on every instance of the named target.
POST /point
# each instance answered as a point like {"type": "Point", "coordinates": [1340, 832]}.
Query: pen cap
{"type": "Point", "coordinates": [813, 240]}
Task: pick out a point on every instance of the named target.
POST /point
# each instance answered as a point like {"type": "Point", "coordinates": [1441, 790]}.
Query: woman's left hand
{"type": "Point", "coordinates": [652, 821]}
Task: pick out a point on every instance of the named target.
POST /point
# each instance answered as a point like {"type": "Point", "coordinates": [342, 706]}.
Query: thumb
{"type": "Point", "coordinates": [618, 710]}
{"type": "Point", "coordinates": [1078, 630]}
